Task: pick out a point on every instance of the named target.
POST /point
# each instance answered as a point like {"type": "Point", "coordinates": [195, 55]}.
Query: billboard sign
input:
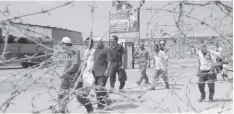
{"type": "Point", "coordinates": [124, 21]}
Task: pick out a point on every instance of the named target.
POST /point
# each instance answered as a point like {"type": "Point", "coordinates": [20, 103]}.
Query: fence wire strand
{"type": "Point", "coordinates": [26, 79]}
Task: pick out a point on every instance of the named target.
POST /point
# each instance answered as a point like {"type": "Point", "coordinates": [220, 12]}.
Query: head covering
{"type": "Point", "coordinates": [66, 40]}
{"type": "Point", "coordinates": [161, 42]}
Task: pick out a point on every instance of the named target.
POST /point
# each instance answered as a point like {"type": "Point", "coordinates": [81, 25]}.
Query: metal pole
{"type": "Point", "coordinates": [138, 11]}
{"type": "Point", "coordinates": [91, 34]}
{"type": "Point", "coordinates": [109, 27]}
{"type": "Point", "coordinates": [92, 14]}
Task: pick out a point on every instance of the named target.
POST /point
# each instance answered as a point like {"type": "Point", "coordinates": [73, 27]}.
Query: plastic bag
{"type": "Point", "coordinates": [88, 79]}
{"type": "Point", "coordinates": [122, 74]}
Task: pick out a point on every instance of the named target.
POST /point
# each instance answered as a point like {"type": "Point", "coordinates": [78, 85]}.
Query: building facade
{"type": "Point", "coordinates": [46, 33]}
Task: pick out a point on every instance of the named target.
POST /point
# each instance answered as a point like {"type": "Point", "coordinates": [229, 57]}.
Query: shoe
{"type": "Point", "coordinates": [147, 83]}
{"type": "Point", "coordinates": [167, 87]}
{"type": "Point", "coordinates": [151, 88]}
{"type": "Point", "coordinates": [201, 99]}
{"type": "Point", "coordinates": [108, 102]}
{"type": "Point", "coordinates": [108, 108]}
{"type": "Point", "coordinates": [111, 90]}
{"type": "Point", "coordinates": [100, 108]}
{"type": "Point", "coordinates": [89, 108]}
{"type": "Point", "coordinates": [121, 90]}
{"type": "Point", "coordinates": [138, 84]}
{"type": "Point", "coordinates": [60, 111]}
{"type": "Point", "coordinates": [210, 100]}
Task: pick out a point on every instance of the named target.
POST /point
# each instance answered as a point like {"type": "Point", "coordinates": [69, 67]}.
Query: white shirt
{"type": "Point", "coordinates": [89, 59]}
{"type": "Point", "coordinates": [205, 61]}
{"type": "Point", "coordinates": [160, 60]}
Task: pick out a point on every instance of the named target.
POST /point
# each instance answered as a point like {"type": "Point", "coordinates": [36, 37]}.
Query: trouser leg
{"type": "Point", "coordinates": [156, 76]}
{"type": "Point", "coordinates": [82, 98]}
{"type": "Point", "coordinates": [165, 78]}
{"type": "Point", "coordinates": [146, 79]}
{"type": "Point", "coordinates": [101, 92]}
{"type": "Point", "coordinates": [211, 86]}
{"type": "Point", "coordinates": [63, 102]}
{"type": "Point", "coordinates": [155, 79]}
{"type": "Point", "coordinates": [141, 76]}
{"type": "Point", "coordinates": [113, 72]}
{"type": "Point", "coordinates": [201, 86]}
{"type": "Point", "coordinates": [211, 90]}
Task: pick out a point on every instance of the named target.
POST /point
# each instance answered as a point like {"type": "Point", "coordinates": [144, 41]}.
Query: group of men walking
{"type": "Point", "coordinates": [102, 62]}
{"type": "Point", "coordinates": [160, 64]}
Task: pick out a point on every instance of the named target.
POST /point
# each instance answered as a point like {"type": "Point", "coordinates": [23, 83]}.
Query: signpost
{"type": "Point", "coordinates": [124, 21]}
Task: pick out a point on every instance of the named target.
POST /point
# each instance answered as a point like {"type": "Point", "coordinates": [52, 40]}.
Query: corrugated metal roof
{"type": "Point", "coordinates": [47, 26]}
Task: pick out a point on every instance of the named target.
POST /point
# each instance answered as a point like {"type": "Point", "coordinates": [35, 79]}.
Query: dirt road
{"type": "Point", "coordinates": [182, 97]}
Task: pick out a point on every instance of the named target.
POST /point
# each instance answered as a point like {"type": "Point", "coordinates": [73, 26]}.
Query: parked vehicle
{"type": "Point", "coordinates": [20, 48]}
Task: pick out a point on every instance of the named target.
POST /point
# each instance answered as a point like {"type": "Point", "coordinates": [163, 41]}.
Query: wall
{"type": "Point", "coordinates": [58, 34]}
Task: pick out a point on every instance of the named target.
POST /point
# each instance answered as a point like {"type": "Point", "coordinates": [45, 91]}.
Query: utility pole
{"type": "Point", "coordinates": [92, 14]}
{"type": "Point", "coordinates": [180, 24]}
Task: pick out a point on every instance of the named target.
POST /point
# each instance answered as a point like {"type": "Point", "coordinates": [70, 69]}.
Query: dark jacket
{"type": "Point", "coordinates": [100, 61]}
{"type": "Point", "coordinates": [115, 52]}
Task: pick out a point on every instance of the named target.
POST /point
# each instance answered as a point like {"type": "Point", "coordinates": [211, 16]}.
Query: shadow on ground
{"type": "Point", "coordinates": [114, 101]}
{"type": "Point", "coordinates": [221, 100]}
{"type": "Point", "coordinates": [177, 85]}
{"type": "Point", "coordinates": [174, 88]}
{"type": "Point", "coordinates": [125, 106]}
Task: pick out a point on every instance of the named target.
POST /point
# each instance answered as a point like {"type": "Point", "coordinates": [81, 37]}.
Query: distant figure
{"type": "Point", "coordinates": [160, 68]}
{"type": "Point", "coordinates": [207, 71]}
{"type": "Point", "coordinates": [143, 56]}
{"type": "Point", "coordinates": [10, 39]}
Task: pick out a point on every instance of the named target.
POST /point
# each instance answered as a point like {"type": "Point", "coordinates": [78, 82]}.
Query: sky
{"type": "Point", "coordinates": [78, 17]}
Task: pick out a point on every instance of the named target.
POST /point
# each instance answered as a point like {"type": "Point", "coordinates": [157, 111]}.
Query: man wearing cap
{"type": "Point", "coordinates": [72, 63]}
{"type": "Point", "coordinates": [115, 64]}
{"type": "Point", "coordinates": [143, 55]}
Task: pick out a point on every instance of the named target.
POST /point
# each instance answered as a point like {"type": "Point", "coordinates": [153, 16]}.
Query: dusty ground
{"type": "Point", "coordinates": [175, 100]}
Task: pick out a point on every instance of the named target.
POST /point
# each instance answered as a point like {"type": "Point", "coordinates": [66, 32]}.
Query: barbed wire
{"type": "Point", "coordinates": [127, 96]}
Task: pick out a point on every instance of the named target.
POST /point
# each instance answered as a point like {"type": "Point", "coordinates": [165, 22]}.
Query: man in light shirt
{"type": "Point", "coordinates": [69, 77]}
{"type": "Point", "coordinates": [160, 68]}
{"type": "Point", "coordinates": [207, 71]}
{"type": "Point", "coordinates": [143, 56]}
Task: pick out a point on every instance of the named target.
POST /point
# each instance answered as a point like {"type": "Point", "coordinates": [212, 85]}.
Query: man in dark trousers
{"type": "Point", "coordinates": [207, 71]}
{"type": "Point", "coordinates": [143, 55]}
{"type": "Point", "coordinates": [100, 66]}
{"type": "Point", "coordinates": [115, 64]}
